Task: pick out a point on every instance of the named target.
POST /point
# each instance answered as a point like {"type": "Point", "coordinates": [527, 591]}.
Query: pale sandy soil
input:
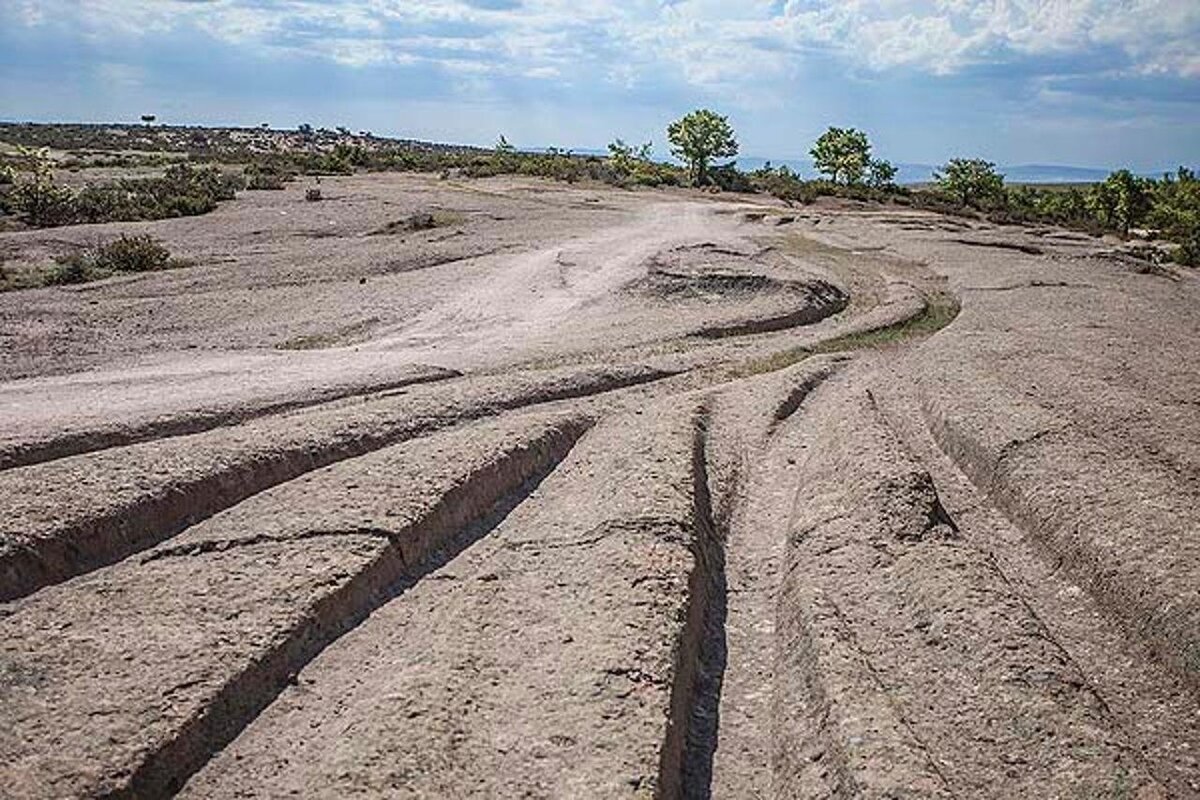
{"type": "Point", "coordinates": [593, 493]}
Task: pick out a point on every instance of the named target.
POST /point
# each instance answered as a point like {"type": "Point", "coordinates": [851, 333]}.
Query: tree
{"type": "Point", "coordinates": [698, 138]}
{"type": "Point", "coordinates": [843, 154]}
{"type": "Point", "coordinates": [148, 119]}
{"type": "Point", "coordinates": [1177, 213]}
{"type": "Point", "coordinates": [881, 174]}
{"type": "Point", "coordinates": [970, 180]}
{"type": "Point", "coordinates": [1120, 201]}
{"type": "Point", "coordinates": [626, 156]}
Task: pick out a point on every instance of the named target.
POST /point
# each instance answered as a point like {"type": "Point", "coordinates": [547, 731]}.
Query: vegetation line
{"type": "Point", "coordinates": [1123, 204]}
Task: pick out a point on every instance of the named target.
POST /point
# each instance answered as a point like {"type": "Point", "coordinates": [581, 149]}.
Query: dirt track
{"type": "Point", "coordinates": [593, 493]}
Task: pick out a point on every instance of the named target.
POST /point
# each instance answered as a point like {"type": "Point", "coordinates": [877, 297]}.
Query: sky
{"type": "Point", "coordinates": [1101, 83]}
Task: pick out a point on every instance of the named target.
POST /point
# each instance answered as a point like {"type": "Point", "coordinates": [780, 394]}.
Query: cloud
{"type": "Point", "coordinates": [888, 63]}
{"type": "Point", "coordinates": [706, 43]}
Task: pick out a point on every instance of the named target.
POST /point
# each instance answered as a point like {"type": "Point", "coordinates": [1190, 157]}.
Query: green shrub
{"type": "Point", "coordinates": [1176, 212]}
{"type": "Point", "coordinates": [132, 253]}
{"type": "Point", "coordinates": [75, 268]}
{"type": "Point", "coordinates": [128, 253]}
{"type": "Point", "coordinates": [183, 190]}
{"type": "Point", "coordinates": [43, 203]}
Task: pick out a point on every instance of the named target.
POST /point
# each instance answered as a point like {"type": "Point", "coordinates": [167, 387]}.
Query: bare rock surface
{"type": "Point", "coordinates": [577, 492]}
{"type": "Point", "coordinates": [539, 662]}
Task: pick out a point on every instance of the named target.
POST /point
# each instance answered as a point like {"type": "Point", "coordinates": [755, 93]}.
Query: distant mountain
{"type": "Point", "coordinates": [1051, 173]}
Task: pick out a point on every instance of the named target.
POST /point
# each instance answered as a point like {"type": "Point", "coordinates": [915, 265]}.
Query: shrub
{"type": "Point", "coordinates": [1176, 213]}
{"type": "Point", "coordinates": [132, 253]}
{"type": "Point", "coordinates": [729, 178]}
{"type": "Point", "coordinates": [1121, 201]}
{"type": "Point", "coordinates": [70, 269]}
{"type": "Point", "coordinates": [128, 253]}
{"type": "Point", "coordinates": [313, 195]}
{"type": "Point", "coordinates": [265, 176]}
{"type": "Point", "coordinates": [881, 174]}
{"type": "Point", "coordinates": [182, 190]}
{"type": "Point", "coordinates": [43, 202]}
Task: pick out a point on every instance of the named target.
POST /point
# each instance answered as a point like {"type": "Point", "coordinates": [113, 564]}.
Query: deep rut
{"type": "Point", "coordinates": [102, 437]}
{"type": "Point", "coordinates": [77, 514]}
{"type": "Point", "coordinates": [1155, 710]}
{"type": "Point", "coordinates": [244, 670]}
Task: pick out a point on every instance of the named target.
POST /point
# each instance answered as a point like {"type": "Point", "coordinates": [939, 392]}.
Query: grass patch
{"type": "Point", "coordinates": [420, 221]}
{"type": "Point", "coordinates": [940, 310]}
{"type": "Point", "coordinates": [320, 341]}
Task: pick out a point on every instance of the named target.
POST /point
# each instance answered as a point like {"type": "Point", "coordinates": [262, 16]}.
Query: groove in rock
{"type": "Point", "coordinates": [691, 740]}
{"type": "Point", "coordinates": [1134, 603]}
{"type": "Point", "coordinates": [1028, 249]}
{"type": "Point", "coordinates": [460, 518]}
{"type": "Point", "coordinates": [826, 301]}
{"type": "Point", "coordinates": [100, 541]}
{"type": "Point", "coordinates": [77, 443]}
{"type": "Point", "coordinates": [791, 404]}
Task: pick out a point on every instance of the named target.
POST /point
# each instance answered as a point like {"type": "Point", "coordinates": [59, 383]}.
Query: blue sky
{"type": "Point", "coordinates": [1084, 82]}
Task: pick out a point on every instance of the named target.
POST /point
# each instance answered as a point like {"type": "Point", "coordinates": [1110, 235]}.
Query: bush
{"type": "Point", "coordinates": [182, 190]}
{"type": "Point", "coordinates": [313, 195]}
{"type": "Point", "coordinates": [266, 177]}
{"type": "Point", "coordinates": [128, 253]}
{"type": "Point", "coordinates": [1176, 213]}
{"type": "Point", "coordinates": [132, 253]}
{"type": "Point", "coordinates": [1121, 201]}
{"type": "Point", "coordinates": [729, 178]}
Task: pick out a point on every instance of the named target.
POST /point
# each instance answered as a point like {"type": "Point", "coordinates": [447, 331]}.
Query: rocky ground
{"type": "Point", "coordinates": [592, 493]}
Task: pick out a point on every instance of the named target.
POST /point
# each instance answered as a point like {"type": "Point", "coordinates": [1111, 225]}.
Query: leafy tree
{"type": "Point", "coordinates": [970, 180]}
{"type": "Point", "coordinates": [881, 174]}
{"type": "Point", "coordinates": [698, 138]}
{"type": "Point", "coordinates": [843, 154]}
{"type": "Point", "coordinates": [1121, 201]}
{"type": "Point", "coordinates": [1177, 213]}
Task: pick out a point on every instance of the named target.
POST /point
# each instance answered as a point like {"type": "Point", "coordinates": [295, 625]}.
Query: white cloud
{"type": "Point", "coordinates": [707, 43]}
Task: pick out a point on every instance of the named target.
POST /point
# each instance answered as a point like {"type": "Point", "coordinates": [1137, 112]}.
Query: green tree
{"type": "Point", "coordinates": [843, 154]}
{"type": "Point", "coordinates": [1121, 201]}
{"type": "Point", "coordinates": [881, 174]}
{"type": "Point", "coordinates": [698, 138]}
{"type": "Point", "coordinates": [970, 180]}
{"type": "Point", "coordinates": [1176, 213]}
{"type": "Point", "coordinates": [627, 156]}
